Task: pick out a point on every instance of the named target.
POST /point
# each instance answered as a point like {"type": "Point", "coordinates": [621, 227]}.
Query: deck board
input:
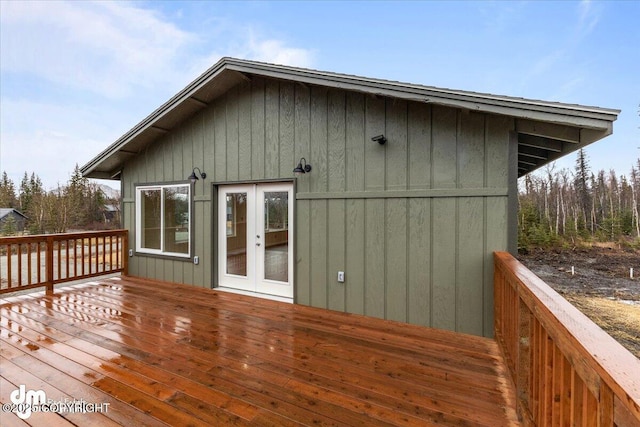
{"type": "Point", "coordinates": [162, 353]}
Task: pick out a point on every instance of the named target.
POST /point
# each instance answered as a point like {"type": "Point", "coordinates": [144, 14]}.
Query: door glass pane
{"type": "Point", "coordinates": [176, 219]}
{"type": "Point", "coordinates": [236, 220]}
{"type": "Point", "coordinates": [276, 235]}
{"type": "Point", "coordinates": [150, 221]}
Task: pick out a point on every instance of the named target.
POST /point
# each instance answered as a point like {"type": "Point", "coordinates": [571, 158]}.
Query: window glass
{"type": "Point", "coordinates": [150, 205]}
{"type": "Point", "coordinates": [176, 222]}
{"type": "Point", "coordinates": [164, 219]}
{"type": "Point", "coordinates": [276, 214]}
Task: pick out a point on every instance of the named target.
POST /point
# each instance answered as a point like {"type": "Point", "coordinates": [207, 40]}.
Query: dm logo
{"type": "Point", "coordinates": [26, 400]}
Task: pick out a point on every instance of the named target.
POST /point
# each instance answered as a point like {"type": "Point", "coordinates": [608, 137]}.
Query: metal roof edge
{"type": "Point", "coordinates": [287, 72]}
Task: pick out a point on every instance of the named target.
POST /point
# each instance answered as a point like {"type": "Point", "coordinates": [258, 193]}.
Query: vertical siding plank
{"type": "Point", "coordinates": [177, 147]}
{"type": "Point", "coordinates": [419, 259]}
{"type": "Point", "coordinates": [396, 259]}
{"type": "Point", "coordinates": [209, 135]}
{"type": "Point", "coordinates": [496, 209]}
{"type": "Point", "coordinates": [396, 147]}
{"type": "Point", "coordinates": [336, 254]}
{"type": "Point", "coordinates": [318, 177]}
{"type": "Point", "coordinates": [302, 143]}
{"type": "Point", "coordinates": [272, 133]}
{"type": "Point", "coordinates": [209, 250]}
{"type": "Point", "coordinates": [257, 129]}
{"type": "Point", "coordinates": [471, 150]}
{"type": "Point", "coordinates": [444, 147]}
{"type": "Point", "coordinates": [336, 140]}
{"type": "Point", "coordinates": [199, 237]}
{"type": "Point", "coordinates": [374, 258]}
{"type": "Point", "coordinates": [287, 126]}
{"type": "Point", "coordinates": [318, 257]}
{"type": "Point", "coordinates": [244, 132]}
{"type": "Point", "coordinates": [190, 135]}
{"type": "Point", "coordinates": [220, 140]}
{"type": "Point", "coordinates": [419, 145]}
{"type": "Point", "coordinates": [355, 256]}
{"type": "Point", "coordinates": [197, 151]}
{"type": "Point", "coordinates": [155, 160]}
{"type": "Point", "coordinates": [168, 160]}
{"type": "Point", "coordinates": [495, 214]}
{"type": "Point", "coordinates": [232, 135]}
{"type": "Point", "coordinates": [374, 168]}
{"type": "Point", "coordinates": [302, 282]}
{"type": "Point", "coordinates": [470, 274]}
{"type": "Point", "coordinates": [355, 142]}
{"type": "Point", "coordinates": [443, 255]}
{"type": "Point", "coordinates": [497, 150]}
{"type": "Point", "coordinates": [135, 266]}
{"type": "Point", "coordinates": [188, 161]}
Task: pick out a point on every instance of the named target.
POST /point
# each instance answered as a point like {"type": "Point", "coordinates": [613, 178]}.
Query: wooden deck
{"type": "Point", "coordinates": [161, 353]}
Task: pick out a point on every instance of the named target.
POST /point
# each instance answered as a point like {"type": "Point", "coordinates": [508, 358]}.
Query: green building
{"type": "Point", "coordinates": [404, 194]}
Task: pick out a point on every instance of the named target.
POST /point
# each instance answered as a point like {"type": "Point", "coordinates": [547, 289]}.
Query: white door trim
{"type": "Point", "coordinates": [254, 282]}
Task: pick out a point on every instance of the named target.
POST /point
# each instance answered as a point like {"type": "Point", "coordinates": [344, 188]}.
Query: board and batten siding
{"type": "Point", "coordinates": [412, 223]}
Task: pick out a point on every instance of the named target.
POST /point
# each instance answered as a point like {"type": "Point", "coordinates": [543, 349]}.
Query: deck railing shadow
{"type": "Point", "coordinates": [28, 262]}
{"type": "Point", "coordinates": [566, 369]}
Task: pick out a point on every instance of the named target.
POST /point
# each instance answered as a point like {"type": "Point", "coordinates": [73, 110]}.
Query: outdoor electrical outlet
{"type": "Point", "coordinates": [196, 260]}
{"type": "Point", "coordinates": [341, 276]}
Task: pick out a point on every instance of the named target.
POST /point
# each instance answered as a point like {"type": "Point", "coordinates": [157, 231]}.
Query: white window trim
{"type": "Point", "coordinates": [139, 249]}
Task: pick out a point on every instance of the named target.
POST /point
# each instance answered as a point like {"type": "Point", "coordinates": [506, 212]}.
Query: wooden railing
{"type": "Point", "coordinates": [44, 260]}
{"type": "Point", "coordinates": [566, 370]}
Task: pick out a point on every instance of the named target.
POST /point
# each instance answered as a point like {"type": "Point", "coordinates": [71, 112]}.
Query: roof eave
{"type": "Point", "coordinates": [599, 120]}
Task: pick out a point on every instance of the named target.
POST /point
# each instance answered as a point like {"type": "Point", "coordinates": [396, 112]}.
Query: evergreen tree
{"type": "Point", "coordinates": [7, 192]}
{"type": "Point", "coordinates": [581, 184]}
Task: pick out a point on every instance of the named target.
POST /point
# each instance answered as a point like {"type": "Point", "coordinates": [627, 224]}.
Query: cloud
{"type": "Point", "coordinates": [248, 43]}
{"type": "Point", "coordinates": [76, 75]}
{"type": "Point", "coordinates": [49, 139]}
{"type": "Point", "coordinates": [103, 47]}
{"type": "Point", "coordinates": [588, 18]}
{"type": "Point", "coordinates": [276, 52]}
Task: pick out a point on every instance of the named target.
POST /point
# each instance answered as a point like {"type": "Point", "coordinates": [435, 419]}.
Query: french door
{"type": "Point", "coordinates": [255, 243]}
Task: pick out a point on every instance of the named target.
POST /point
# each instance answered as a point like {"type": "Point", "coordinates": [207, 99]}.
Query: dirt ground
{"type": "Point", "coordinates": [600, 287]}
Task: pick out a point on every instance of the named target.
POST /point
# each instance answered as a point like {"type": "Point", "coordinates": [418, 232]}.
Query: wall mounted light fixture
{"type": "Point", "coordinates": [193, 177]}
{"type": "Point", "coordinates": [380, 139]}
{"type": "Point", "coordinates": [299, 170]}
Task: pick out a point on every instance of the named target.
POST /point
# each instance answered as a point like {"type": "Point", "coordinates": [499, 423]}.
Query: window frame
{"type": "Point", "coordinates": [139, 188]}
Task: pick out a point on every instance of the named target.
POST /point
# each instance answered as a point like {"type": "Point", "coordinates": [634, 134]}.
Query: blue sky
{"type": "Point", "coordinates": [75, 76]}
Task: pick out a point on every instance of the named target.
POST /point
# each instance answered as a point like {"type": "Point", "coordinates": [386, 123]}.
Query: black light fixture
{"type": "Point", "coordinates": [193, 177]}
{"type": "Point", "coordinates": [299, 170]}
{"type": "Point", "coordinates": [380, 139]}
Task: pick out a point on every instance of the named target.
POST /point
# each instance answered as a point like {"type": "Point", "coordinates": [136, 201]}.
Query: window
{"type": "Point", "coordinates": [276, 214]}
{"type": "Point", "coordinates": [163, 219]}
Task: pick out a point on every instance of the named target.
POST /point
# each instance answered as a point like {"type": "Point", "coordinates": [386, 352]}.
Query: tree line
{"type": "Point", "coordinates": [564, 207]}
{"type": "Point", "coordinates": [78, 205]}
{"type": "Point", "coordinates": [556, 207]}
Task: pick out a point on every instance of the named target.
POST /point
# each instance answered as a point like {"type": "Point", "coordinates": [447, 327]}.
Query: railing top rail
{"type": "Point", "coordinates": [59, 236]}
{"type": "Point", "coordinates": [615, 365]}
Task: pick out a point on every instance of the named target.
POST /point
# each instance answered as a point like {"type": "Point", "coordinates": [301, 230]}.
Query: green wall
{"type": "Point", "coordinates": [413, 223]}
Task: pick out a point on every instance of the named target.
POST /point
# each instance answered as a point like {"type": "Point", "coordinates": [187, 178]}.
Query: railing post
{"type": "Point", "coordinates": [523, 367]}
{"type": "Point", "coordinates": [49, 265]}
{"type": "Point", "coordinates": [125, 253]}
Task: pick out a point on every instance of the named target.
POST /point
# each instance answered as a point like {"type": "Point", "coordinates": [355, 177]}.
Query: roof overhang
{"type": "Point", "coordinates": [546, 130]}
